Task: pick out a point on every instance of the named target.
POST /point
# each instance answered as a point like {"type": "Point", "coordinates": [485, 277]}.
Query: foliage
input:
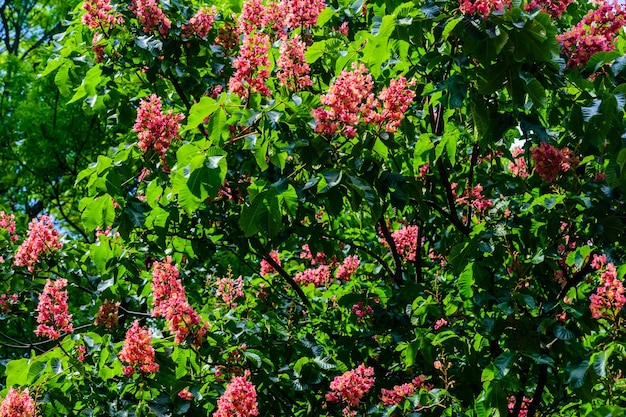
{"type": "Point", "coordinates": [430, 224]}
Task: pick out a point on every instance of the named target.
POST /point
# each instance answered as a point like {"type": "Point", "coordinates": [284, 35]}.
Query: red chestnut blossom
{"type": "Point", "coordinates": [554, 8]}
{"type": "Point", "coordinates": [482, 7]}
{"type": "Point", "coordinates": [301, 13]}
{"type": "Point", "coordinates": [7, 301]}
{"type": "Point", "coordinates": [609, 297]}
{"type": "Point", "coordinates": [18, 404]}
{"type": "Point", "coordinates": [549, 161]}
{"type": "Point", "coordinates": [53, 317]}
{"type": "Point", "coordinates": [7, 222]}
{"type": "Point", "coordinates": [320, 257]}
{"type": "Point", "coordinates": [185, 394]}
{"type": "Point", "coordinates": [345, 271]}
{"type": "Point", "coordinates": [523, 412]}
{"type": "Point", "coordinates": [361, 310]}
{"type": "Point", "coordinates": [154, 128]}
{"type": "Point", "coordinates": [42, 238]}
{"type": "Point", "coordinates": [137, 351]}
{"type": "Point", "coordinates": [150, 16]}
{"type": "Point", "coordinates": [596, 32]}
{"type": "Point", "coordinates": [439, 324]}
{"type": "Point", "coordinates": [477, 199]}
{"type": "Point", "coordinates": [101, 15]}
{"type": "Point", "coordinates": [352, 386]}
{"type": "Point", "coordinates": [293, 69]}
{"type": "Point", "coordinates": [402, 392]}
{"type": "Point", "coordinates": [230, 289]}
{"type": "Point", "coordinates": [107, 314]}
{"type": "Point", "coordinates": [252, 67]}
{"type": "Point", "coordinates": [518, 165]}
{"type": "Point", "coordinates": [349, 100]}
{"type": "Point", "coordinates": [255, 16]}
{"type": "Point", "coordinates": [266, 268]}
{"type": "Point", "coordinates": [319, 276]}
{"type": "Point", "coordinates": [396, 100]}
{"type": "Point", "coordinates": [170, 302]}
{"type": "Point", "coordinates": [201, 23]}
{"type": "Point", "coordinates": [239, 399]}
{"type": "Point", "coordinates": [405, 240]}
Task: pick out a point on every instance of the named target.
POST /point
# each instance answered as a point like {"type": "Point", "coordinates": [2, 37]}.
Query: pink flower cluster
{"type": "Point", "coordinates": [155, 129]}
{"type": "Point", "coordinates": [18, 404]}
{"type": "Point", "coordinates": [266, 268]}
{"type": "Point", "coordinates": [351, 387]}
{"type": "Point", "coordinates": [286, 14]}
{"type": "Point", "coordinates": [349, 266]}
{"type": "Point", "coordinates": [554, 8]}
{"type": "Point", "coordinates": [185, 394]}
{"type": "Point", "coordinates": [476, 199]}
{"type": "Point", "coordinates": [201, 23]}
{"type": "Point", "coordinates": [251, 66]}
{"type": "Point", "coordinates": [609, 297]}
{"type": "Point", "coordinates": [362, 310]}
{"type": "Point", "coordinates": [100, 14]}
{"type": "Point", "coordinates": [405, 240]}
{"type": "Point", "coordinates": [170, 302]}
{"type": "Point", "coordinates": [7, 301]}
{"type": "Point", "coordinates": [7, 222]}
{"type": "Point", "coordinates": [440, 323]}
{"type": "Point", "coordinates": [518, 166]}
{"type": "Point", "coordinates": [229, 289]}
{"type": "Point", "coordinates": [523, 412]}
{"type": "Point", "coordinates": [320, 257]}
{"type": "Point", "coordinates": [239, 399]}
{"type": "Point", "coordinates": [351, 101]}
{"type": "Point", "coordinates": [301, 13]}
{"type": "Point", "coordinates": [482, 7]}
{"type": "Point", "coordinates": [150, 16]}
{"type": "Point", "coordinates": [138, 352]}
{"type": "Point", "coordinates": [549, 161]}
{"type": "Point", "coordinates": [41, 239]}
{"type": "Point", "coordinates": [596, 32]}
{"type": "Point", "coordinates": [53, 317]}
{"type": "Point", "coordinates": [293, 70]}
{"type": "Point", "coordinates": [396, 100]}
{"type": "Point", "coordinates": [319, 276]}
{"type": "Point", "coordinates": [402, 392]}
{"type": "Point", "coordinates": [107, 314]}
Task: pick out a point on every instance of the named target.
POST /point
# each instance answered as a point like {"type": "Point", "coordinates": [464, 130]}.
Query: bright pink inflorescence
{"type": "Point", "coordinates": [476, 199]}
{"type": "Point", "coordinates": [251, 66]}
{"type": "Point", "coordinates": [138, 352]}
{"type": "Point", "coordinates": [256, 16]}
{"type": "Point", "coordinates": [155, 129]}
{"type": "Point", "coordinates": [596, 32]}
{"type": "Point", "coordinates": [293, 70]}
{"type": "Point", "coordinates": [53, 317]}
{"type": "Point", "coordinates": [351, 387]}
{"type": "Point", "coordinates": [7, 301]}
{"type": "Point", "coordinates": [42, 238]}
{"type": "Point", "coordinates": [319, 276]}
{"type": "Point", "coordinates": [349, 266]}
{"type": "Point", "coordinates": [396, 100]}
{"type": "Point", "coordinates": [361, 310]}
{"type": "Point", "coordinates": [170, 302]}
{"type": "Point", "coordinates": [405, 240]}
{"type": "Point", "coordinates": [518, 166]}
{"type": "Point", "coordinates": [609, 297]}
{"type": "Point", "coordinates": [301, 13]}
{"type": "Point", "coordinates": [266, 268]}
{"type": "Point", "coordinates": [554, 8]}
{"type": "Point", "coordinates": [201, 23]}
{"type": "Point", "coordinates": [229, 289]}
{"type": "Point", "coordinates": [101, 15]}
{"type": "Point", "coordinates": [402, 392]}
{"type": "Point", "coordinates": [18, 404]}
{"type": "Point", "coordinates": [7, 222]}
{"type": "Point", "coordinates": [523, 412]}
{"type": "Point", "coordinates": [239, 399]}
{"type": "Point", "coordinates": [481, 7]}
{"type": "Point", "coordinates": [150, 16]}
{"type": "Point", "coordinates": [549, 161]}
{"type": "Point", "coordinates": [351, 101]}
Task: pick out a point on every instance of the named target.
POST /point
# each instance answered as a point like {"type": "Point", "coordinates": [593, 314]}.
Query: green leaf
{"type": "Point", "coordinates": [599, 362]}
{"type": "Point", "coordinates": [17, 372]}
{"type": "Point", "coordinates": [465, 282]}
{"type": "Point", "coordinates": [576, 374]}
{"type": "Point", "coordinates": [200, 111]}
{"type": "Point", "coordinates": [97, 212]}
